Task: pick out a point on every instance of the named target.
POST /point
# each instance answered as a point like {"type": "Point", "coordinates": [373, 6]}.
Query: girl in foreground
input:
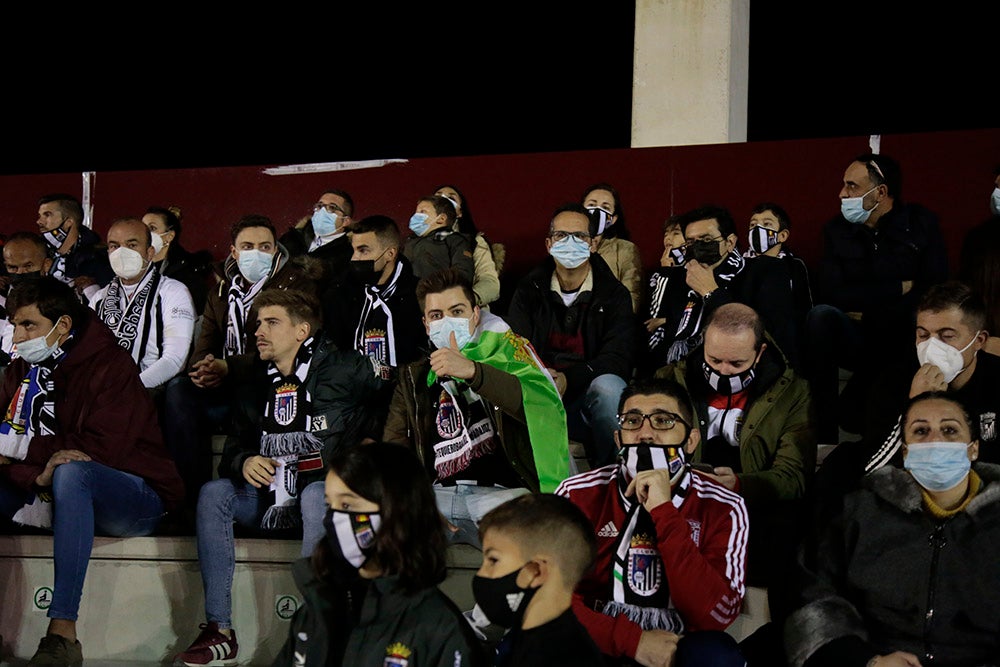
{"type": "Point", "coordinates": [370, 593]}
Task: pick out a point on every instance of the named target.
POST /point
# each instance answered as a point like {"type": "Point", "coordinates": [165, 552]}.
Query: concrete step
{"type": "Point", "coordinates": [142, 600]}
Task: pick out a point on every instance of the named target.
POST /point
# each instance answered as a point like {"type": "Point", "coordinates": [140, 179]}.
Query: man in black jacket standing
{"type": "Point", "coordinates": [579, 319]}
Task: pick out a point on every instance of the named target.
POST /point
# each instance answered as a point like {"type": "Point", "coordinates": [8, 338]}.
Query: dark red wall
{"type": "Point", "coordinates": [512, 196]}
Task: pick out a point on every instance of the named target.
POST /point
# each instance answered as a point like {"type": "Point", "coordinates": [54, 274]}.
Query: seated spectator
{"type": "Point", "coordinates": [481, 412]}
{"type": "Point", "coordinates": [80, 448]}
{"type": "Point", "coordinates": [151, 315]}
{"type": "Point", "coordinates": [671, 542]}
{"type": "Point", "coordinates": [374, 309]}
{"type": "Point", "coordinates": [24, 255]}
{"type": "Point", "coordinates": [612, 238]}
{"type": "Point", "coordinates": [770, 229]}
{"type": "Point", "coordinates": [979, 264]}
{"type": "Point", "coordinates": [578, 318]}
{"type": "Point", "coordinates": [297, 407]}
{"type": "Point", "coordinates": [879, 255]}
{"type": "Point", "coordinates": [486, 283]}
{"type": "Point", "coordinates": [370, 589]}
{"type": "Point", "coordinates": [715, 273]}
{"type": "Point", "coordinates": [79, 260]}
{"type": "Point", "coordinates": [949, 357]}
{"type": "Point", "coordinates": [755, 419]}
{"type": "Point", "coordinates": [435, 245]}
{"type": "Point", "coordinates": [536, 548]}
{"type": "Point", "coordinates": [172, 259]}
{"type": "Point", "coordinates": [323, 236]}
{"type": "Point", "coordinates": [756, 439]}
{"type": "Point", "coordinates": [673, 243]}
{"type": "Point", "coordinates": [906, 573]}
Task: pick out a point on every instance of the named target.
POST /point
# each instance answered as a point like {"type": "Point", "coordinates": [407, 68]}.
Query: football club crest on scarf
{"type": "Point", "coordinates": [397, 655]}
{"type": "Point", "coordinates": [375, 344]}
{"type": "Point", "coordinates": [364, 531]}
{"type": "Point", "coordinates": [449, 418]}
{"type": "Point", "coordinates": [286, 404]}
{"type": "Point", "coordinates": [645, 571]}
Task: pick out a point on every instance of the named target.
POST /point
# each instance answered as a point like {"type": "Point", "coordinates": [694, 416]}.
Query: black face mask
{"type": "Point", "coordinates": [706, 252]}
{"type": "Point", "coordinates": [351, 535]}
{"type": "Point", "coordinates": [18, 278]}
{"type": "Point", "coordinates": [501, 599]}
{"type": "Point", "coordinates": [727, 385]}
{"type": "Point", "coordinates": [364, 271]}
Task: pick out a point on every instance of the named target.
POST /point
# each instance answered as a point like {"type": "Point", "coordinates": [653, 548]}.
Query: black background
{"type": "Point", "coordinates": [175, 92]}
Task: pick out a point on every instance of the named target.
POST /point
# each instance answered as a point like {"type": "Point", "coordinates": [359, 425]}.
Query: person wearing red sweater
{"type": "Point", "coordinates": [671, 543]}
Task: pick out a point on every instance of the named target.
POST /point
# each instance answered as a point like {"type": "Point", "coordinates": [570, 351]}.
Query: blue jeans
{"type": "Point", "coordinates": [222, 503]}
{"type": "Point", "coordinates": [593, 418]}
{"type": "Point", "coordinates": [88, 497]}
{"type": "Point", "coordinates": [464, 505]}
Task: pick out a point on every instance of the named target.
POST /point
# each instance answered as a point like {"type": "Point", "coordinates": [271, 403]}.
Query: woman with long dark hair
{"type": "Point", "coordinates": [370, 589]}
{"type": "Point", "coordinates": [613, 244]}
{"type": "Point", "coordinates": [173, 260]}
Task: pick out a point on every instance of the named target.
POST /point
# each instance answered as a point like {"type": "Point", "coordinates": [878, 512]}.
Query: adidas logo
{"type": "Point", "coordinates": [608, 530]}
{"type": "Point", "coordinates": [514, 600]}
{"type": "Point", "coordinates": [220, 651]}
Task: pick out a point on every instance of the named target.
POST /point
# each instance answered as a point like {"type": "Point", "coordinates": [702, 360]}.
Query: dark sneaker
{"type": "Point", "coordinates": [57, 650]}
{"type": "Point", "coordinates": [211, 648]}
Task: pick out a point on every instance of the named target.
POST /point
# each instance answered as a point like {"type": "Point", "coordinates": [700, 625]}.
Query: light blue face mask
{"type": "Point", "coordinates": [418, 223]}
{"type": "Point", "coordinates": [254, 264]}
{"type": "Point", "coordinates": [570, 252]}
{"type": "Point", "coordinates": [995, 202]}
{"type": "Point", "coordinates": [440, 332]}
{"type": "Point", "coordinates": [853, 208]}
{"type": "Point", "coordinates": [324, 223]}
{"type": "Point", "coordinates": [937, 466]}
{"type": "Point", "coordinates": [36, 350]}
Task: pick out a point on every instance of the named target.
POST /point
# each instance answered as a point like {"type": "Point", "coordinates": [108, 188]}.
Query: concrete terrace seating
{"type": "Point", "coordinates": [142, 601]}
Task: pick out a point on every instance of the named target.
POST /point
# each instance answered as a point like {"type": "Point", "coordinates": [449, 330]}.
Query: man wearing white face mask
{"type": "Point", "coordinates": [879, 255]}
{"type": "Point", "coordinates": [151, 315]}
{"type": "Point", "coordinates": [950, 336]}
{"type": "Point", "coordinates": [323, 234]}
{"type": "Point", "coordinates": [579, 319]}
{"type": "Point", "coordinates": [481, 412]}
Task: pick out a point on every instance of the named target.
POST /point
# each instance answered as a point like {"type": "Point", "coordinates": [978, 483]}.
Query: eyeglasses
{"type": "Point", "coordinates": [659, 420]}
{"type": "Point", "coordinates": [331, 208]}
{"type": "Point", "coordinates": [703, 239]}
{"type": "Point", "coordinates": [560, 235]}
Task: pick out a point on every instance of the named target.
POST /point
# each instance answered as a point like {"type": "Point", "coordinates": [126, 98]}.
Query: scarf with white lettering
{"type": "Point", "coordinates": [130, 317]}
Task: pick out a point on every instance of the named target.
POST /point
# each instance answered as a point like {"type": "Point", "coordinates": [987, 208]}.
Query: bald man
{"type": "Point", "coordinates": [24, 254]}
{"type": "Point", "coordinates": [152, 315]}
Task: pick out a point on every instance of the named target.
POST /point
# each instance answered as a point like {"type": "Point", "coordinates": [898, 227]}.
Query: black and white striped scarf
{"type": "Point", "coordinates": [689, 329]}
{"type": "Point", "coordinates": [375, 335]}
{"type": "Point", "coordinates": [639, 586]}
{"type": "Point", "coordinates": [287, 437]}
{"type": "Point", "coordinates": [130, 322]}
{"type": "Point", "coordinates": [240, 302]}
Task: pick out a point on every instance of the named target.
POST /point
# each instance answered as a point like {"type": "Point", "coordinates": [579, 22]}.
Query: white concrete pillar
{"type": "Point", "coordinates": [690, 72]}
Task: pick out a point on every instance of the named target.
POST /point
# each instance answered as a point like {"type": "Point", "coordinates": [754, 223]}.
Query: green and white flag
{"type": "Point", "coordinates": [496, 345]}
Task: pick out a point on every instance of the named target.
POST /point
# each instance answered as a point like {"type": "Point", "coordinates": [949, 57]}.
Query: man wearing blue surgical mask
{"type": "Point", "coordinates": [879, 255]}
{"type": "Point", "coordinates": [479, 409]}
{"type": "Point", "coordinates": [579, 319]}
{"type": "Point", "coordinates": [323, 235]}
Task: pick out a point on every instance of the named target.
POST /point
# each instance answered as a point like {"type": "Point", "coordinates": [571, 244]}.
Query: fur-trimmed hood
{"type": "Point", "coordinates": [897, 487]}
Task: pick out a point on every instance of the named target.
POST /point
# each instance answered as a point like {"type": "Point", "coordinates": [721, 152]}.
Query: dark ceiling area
{"type": "Point", "coordinates": [472, 86]}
